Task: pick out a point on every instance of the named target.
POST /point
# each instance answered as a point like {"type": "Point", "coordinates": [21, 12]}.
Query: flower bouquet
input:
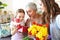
{"type": "Point", "coordinates": [39, 31]}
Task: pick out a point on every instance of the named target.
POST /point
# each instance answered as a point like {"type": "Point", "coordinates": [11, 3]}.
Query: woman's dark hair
{"type": "Point", "coordinates": [46, 15]}
{"type": "Point", "coordinates": [21, 11]}
{"type": "Point", "coordinates": [46, 4]}
{"type": "Point", "coordinates": [55, 10]}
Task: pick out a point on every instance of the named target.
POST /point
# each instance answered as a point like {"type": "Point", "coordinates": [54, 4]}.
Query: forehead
{"type": "Point", "coordinates": [28, 9]}
{"type": "Point", "coordinates": [20, 14]}
{"type": "Point", "coordinates": [40, 3]}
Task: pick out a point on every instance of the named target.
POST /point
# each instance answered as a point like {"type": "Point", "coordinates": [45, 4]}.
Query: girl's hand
{"type": "Point", "coordinates": [13, 30]}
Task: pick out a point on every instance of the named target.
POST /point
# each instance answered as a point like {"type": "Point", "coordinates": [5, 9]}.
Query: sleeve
{"type": "Point", "coordinates": [13, 28]}
{"type": "Point", "coordinates": [58, 21]}
{"type": "Point", "coordinates": [11, 24]}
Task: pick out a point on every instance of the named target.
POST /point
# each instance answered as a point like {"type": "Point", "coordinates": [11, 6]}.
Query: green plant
{"type": "Point", "coordinates": [2, 5]}
{"type": "Point", "coordinates": [26, 38]}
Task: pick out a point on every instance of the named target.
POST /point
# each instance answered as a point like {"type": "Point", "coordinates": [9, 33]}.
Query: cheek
{"type": "Point", "coordinates": [42, 7]}
{"type": "Point", "coordinates": [30, 13]}
{"type": "Point", "coordinates": [17, 16]}
{"type": "Point", "coordinates": [21, 18]}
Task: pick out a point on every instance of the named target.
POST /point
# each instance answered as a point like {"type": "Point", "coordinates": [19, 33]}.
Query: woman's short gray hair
{"type": "Point", "coordinates": [32, 6]}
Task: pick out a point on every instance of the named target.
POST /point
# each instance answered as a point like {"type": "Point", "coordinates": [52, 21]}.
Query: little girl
{"type": "Point", "coordinates": [17, 34]}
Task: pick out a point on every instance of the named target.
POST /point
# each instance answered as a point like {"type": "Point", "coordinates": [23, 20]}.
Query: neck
{"type": "Point", "coordinates": [33, 17]}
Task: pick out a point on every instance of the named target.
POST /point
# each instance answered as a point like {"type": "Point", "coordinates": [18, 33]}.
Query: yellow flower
{"type": "Point", "coordinates": [39, 35]}
{"type": "Point", "coordinates": [38, 28]}
{"type": "Point", "coordinates": [44, 31]}
{"type": "Point", "coordinates": [33, 32]}
{"type": "Point", "coordinates": [29, 29]}
{"type": "Point", "coordinates": [39, 31]}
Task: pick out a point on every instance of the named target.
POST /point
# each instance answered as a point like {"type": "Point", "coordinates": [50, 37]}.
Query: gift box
{"type": "Point", "coordinates": [23, 28]}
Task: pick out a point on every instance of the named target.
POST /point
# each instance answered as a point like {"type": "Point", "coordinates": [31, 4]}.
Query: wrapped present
{"type": "Point", "coordinates": [23, 28]}
{"type": "Point", "coordinates": [19, 26]}
{"type": "Point", "coordinates": [17, 23]}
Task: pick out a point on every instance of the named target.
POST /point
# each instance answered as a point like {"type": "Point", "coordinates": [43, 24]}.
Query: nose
{"type": "Point", "coordinates": [30, 14]}
{"type": "Point", "coordinates": [21, 18]}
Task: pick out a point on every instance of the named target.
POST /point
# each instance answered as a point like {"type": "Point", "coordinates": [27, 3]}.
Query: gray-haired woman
{"type": "Point", "coordinates": [31, 9]}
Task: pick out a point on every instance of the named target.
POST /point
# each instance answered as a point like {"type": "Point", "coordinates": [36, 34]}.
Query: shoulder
{"type": "Point", "coordinates": [58, 17]}
{"type": "Point", "coordinates": [58, 20]}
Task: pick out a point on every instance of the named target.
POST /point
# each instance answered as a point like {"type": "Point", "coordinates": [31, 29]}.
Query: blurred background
{"type": "Point", "coordinates": [9, 12]}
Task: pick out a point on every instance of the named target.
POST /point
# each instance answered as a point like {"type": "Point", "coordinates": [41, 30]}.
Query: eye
{"type": "Point", "coordinates": [28, 11]}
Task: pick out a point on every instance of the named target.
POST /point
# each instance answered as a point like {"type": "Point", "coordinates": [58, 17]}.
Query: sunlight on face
{"type": "Point", "coordinates": [42, 6]}
{"type": "Point", "coordinates": [30, 12]}
{"type": "Point", "coordinates": [20, 16]}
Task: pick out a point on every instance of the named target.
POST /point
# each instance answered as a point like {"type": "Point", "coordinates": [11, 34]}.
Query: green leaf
{"type": "Point", "coordinates": [0, 3]}
{"type": "Point", "coordinates": [1, 7]}
{"type": "Point", "coordinates": [4, 4]}
{"type": "Point", "coordinates": [26, 38]}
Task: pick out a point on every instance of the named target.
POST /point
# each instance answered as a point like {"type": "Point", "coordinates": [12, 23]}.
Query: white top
{"type": "Point", "coordinates": [58, 21]}
{"type": "Point", "coordinates": [55, 28]}
{"type": "Point", "coordinates": [17, 36]}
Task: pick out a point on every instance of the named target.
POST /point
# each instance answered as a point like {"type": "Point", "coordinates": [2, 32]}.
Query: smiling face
{"type": "Point", "coordinates": [42, 6]}
{"type": "Point", "coordinates": [31, 9]}
{"type": "Point", "coordinates": [20, 16]}
{"type": "Point", "coordinates": [31, 12]}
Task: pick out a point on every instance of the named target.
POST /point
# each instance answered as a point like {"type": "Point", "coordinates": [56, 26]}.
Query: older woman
{"type": "Point", "coordinates": [34, 17]}
{"type": "Point", "coordinates": [31, 9]}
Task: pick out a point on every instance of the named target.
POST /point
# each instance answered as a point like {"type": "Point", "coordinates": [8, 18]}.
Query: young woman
{"type": "Point", "coordinates": [45, 18]}
{"type": "Point", "coordinates": [45, 4]}
{"type": "Point", "coordinates": [55, 21]}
